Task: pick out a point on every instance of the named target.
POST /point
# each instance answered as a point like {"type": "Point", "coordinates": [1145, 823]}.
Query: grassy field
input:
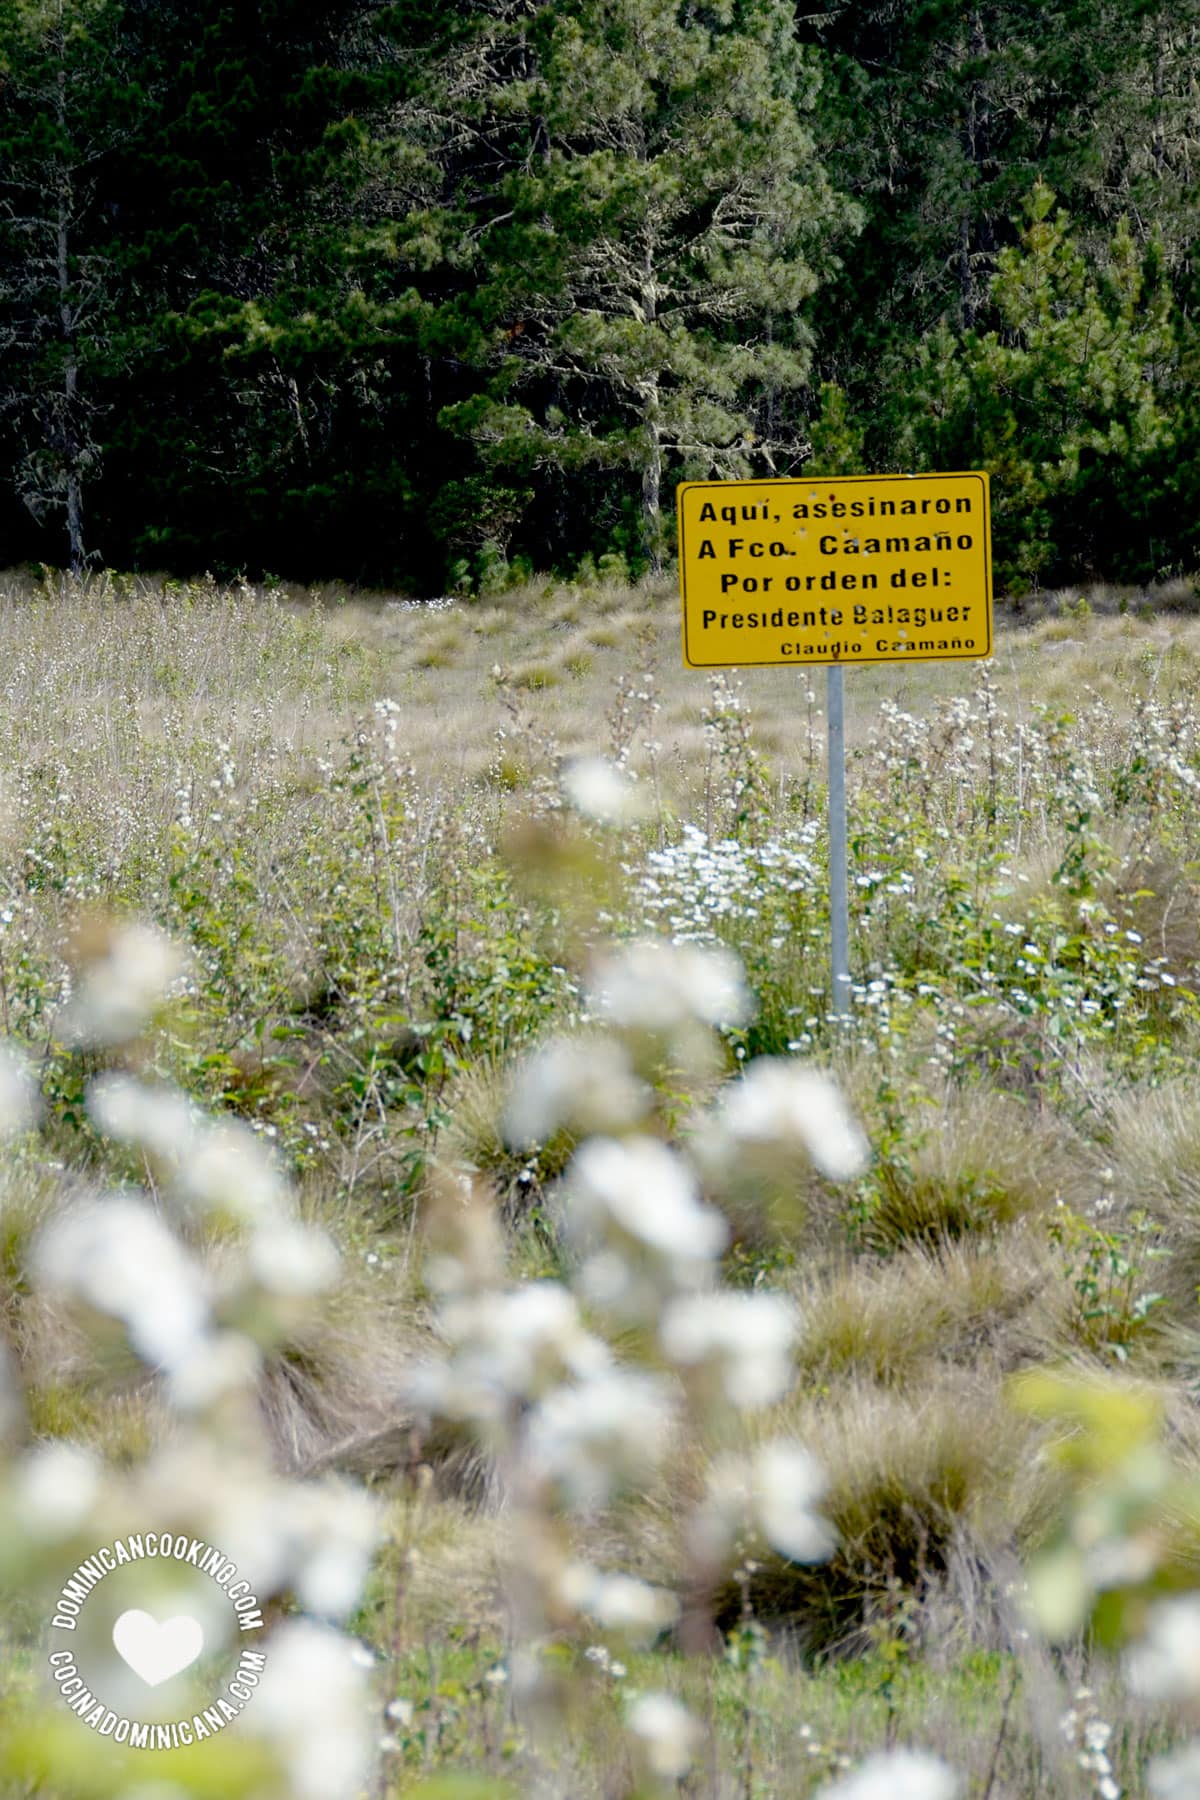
{"type": "Point", "coordinates": [368, 828]}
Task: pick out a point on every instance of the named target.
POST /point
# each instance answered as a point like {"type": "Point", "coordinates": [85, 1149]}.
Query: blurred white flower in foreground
{"type": "Point", "coordinates": [665, 1734]}
{"type": "Point", "coordinates": [744, 1340]}
{"type": "Point", "coordinates": [217, 1167]}
{"type": "Point", "coordinates": [617, 1602]}
{"type": "Point", "coordinates": [601, 791]}
{"type": "Point", "coordinates": [117, 1256]}
{"type": "Point", "coordinates": [118, 990]}
{"type": "Point", "coordinates": [1176, 1777]}
{"type": "Point", "coordinates": [18, 1091]}
{"type": "Point", "coordinates": [635, 1194]}
{"type": "Point", "coordinates": [227, 1169]}
{"type": "Point", "coordinates": [332, 1530]}
{"type": "Point", "coordinates": [897, 1775]}
{"type": "Point", "coordinates": [55, 1488]}
{"type": "Point", "coordinates": [773, 1490]}
{"type": "Point", "coordinates": [159, 1119]}
{"type": "Point", "coordinates": [290, 1258]}
{"type": "Point", "coordinates": [657, 987]}
{"type": "Point", "coordinates": [782, 1106]}
{"type": "Point", "coordinates": [595, 1435]}
{"type": "Point", "coordinates": [507, 1346]}
{"type": "Point", "coordinates": [585, 1083]}
{"type": "Point", "coordinates": [313, 1537]}
{"type": "Point", "coordinates": [1165, 1664]}
{"type": "Point", "coordinates": [225, 1363]}
{"type": "Point", "coordinates": [313, 1704]}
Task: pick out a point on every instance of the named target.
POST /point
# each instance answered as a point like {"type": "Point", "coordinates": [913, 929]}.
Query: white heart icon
{"type": "Point", "coordinates": [154, 1651]}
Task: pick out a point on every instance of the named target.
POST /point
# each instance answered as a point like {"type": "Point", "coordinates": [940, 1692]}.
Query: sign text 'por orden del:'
{"type": "Point", "coordinates": [852, 568]}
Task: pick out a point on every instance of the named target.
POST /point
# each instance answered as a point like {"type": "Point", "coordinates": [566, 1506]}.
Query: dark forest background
{"type": "Point", "coordinates": [427, 294]}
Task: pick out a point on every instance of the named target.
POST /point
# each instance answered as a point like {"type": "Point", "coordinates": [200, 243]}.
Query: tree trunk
{"type": "Point", "coordinates": [652, 533]}
{"type": "Point", "coordinates": [652, 482]}
{"type": "Point", "coordinates": [70, 398]}
{"type": "Point", "coordinates": [975, 135]}
{"type": "Point", "coordinates": [1158, 133]}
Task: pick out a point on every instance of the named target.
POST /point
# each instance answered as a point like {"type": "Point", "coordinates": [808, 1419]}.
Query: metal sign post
{"type": "Point", "coordinates": [839, 903]}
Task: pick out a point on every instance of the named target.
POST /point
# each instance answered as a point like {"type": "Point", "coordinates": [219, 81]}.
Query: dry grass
{"type": "Point", "coordinates": [1157, 897]}
{"type": "Point", "coordinates": [122, 667]}
{"type": "Point", "coordinates": [998, 1300]}
{"type": "Point", "coordinates": [452, 712]}
{"type": "Point", "coordinates": [914, 1476]}
{"type": "Point", "coordinates": [1156, 1167]}
{"type": "Point", "coordinates": [115, 697]}
{"type": "Point", "coordinates": [909, 1473]}
{"type": "Point", "coordinates": [334, 1396]}
{"type": "Point", "coordinates": [474, 1143]}
{"type": "Point", "coordinates": [983, 1160]}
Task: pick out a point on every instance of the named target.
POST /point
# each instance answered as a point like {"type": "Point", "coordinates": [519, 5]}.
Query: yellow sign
{"type": "Point", "coordinates": [849, 568]}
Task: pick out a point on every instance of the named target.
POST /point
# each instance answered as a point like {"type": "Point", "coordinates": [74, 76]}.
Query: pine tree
{"type": "Point", "coordinates": [939, 118]}
{"type": "Point", "coordinates": [1072, 402]}
{"type": "Point", "coordinates": [632, 221]}
{"type": "Point", "coordinates": [255, 408]}
{"type": "Point", "coordinates": [60, 64]}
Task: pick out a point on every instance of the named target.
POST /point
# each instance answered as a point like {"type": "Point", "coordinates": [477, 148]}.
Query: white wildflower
{"type": "Point", "coordinates": [227, 1170]}
{"type": "Point", "coordinates": [600, 790]}
{"type": "Point", "coordinates": [585, 1083]}
{"type": "Point", "coordinates": [1165, 1665]}
{"type": "Point", "coordinates": [617, 1602]}
{"type": "Point", "coordinates": [225, 1363]}
{"type": "Point", "coordinates": [116, 993]}
{"type": "Point", "coordinates": [333, 1529]}
{"type": "Point", "coordinates": [506, 1346]}
{"type": "Point", "coordinates": [665, 1733]}
{"type": "Point", "coordinates": [117, 1256]}
{"type": "Point", "coordinates": [658, 987]}
{"type": "Point", "coordinates": [639, 1193]}
{"type": "Point", "coordinates": [781, 1105]}
{"type": "Point", "coordinates": [159, 1120]}
{"type": "Point", "coordinates": [744, 1339]}
{"type": "Point", "coordinates": [774, 1491]}
{"type": "Point", "coordinates": [315, 1537]}
{"type": "Point", "coordinates": [291, 1258]}
{"type": "Point", "coordinates": [18, 1091]}
{"type": "Point", "coordinates": [594, 1435]}
{"type": "Point", "coordinates": [1176, 1777]}
{"type": "Point", "coordinates": [313, 1703]}
{"type": "Point", "coordinates": [246, 1519]}
{"type": "Point", "coordinates": [55, 1488]}
{"type": "Point", "coordinates": [897, 1775]}
{"type": "Point", "coordinates": [694, 884]}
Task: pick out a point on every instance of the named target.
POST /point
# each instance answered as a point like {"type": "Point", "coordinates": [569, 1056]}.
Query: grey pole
{"type": "Point", "coordinates": [839, 909]}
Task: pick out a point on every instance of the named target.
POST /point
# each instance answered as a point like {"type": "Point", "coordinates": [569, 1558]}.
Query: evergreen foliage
{"type": "Point", "coordinates": [422, 293]}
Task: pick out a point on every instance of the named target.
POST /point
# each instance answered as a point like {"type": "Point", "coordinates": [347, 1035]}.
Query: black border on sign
{"type": "Point", "coordinates": [794, 481]}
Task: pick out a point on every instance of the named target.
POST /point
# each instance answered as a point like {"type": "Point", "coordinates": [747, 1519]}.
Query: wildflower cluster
{"type": "Point", "coordinates": [697, 890]}
{"type": "Point", "coordinates": [1088, 1735]}
{"type": "Point", "coordinates": [138, 1272]}
{"type": "Point", "coordinates": [571, 1421]}
{"type": "Point", "coordinates": [981, 877]}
